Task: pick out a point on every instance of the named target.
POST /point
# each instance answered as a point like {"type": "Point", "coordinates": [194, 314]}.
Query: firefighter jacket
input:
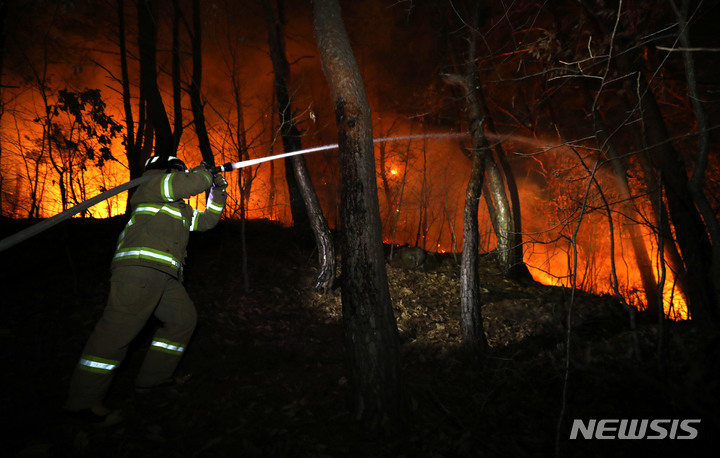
{"type": "Point", "coordinates": [160, 223]}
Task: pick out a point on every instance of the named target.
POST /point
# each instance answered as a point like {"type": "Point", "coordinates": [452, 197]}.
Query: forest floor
{"type": "Point", "coordinates": [268, 368]}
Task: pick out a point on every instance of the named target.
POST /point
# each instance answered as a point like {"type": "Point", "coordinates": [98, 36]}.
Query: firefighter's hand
{"type": "Point", "coordinates": [219, 182]}
{"type": "Point", "coordinates": [214, 169]}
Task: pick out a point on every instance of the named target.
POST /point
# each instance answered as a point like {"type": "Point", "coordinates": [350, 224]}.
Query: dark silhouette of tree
{"type": "Point", "coordinates": [158, 122]}
{"type": "Point", "coordinates": [371, 334]}
{"type": "Point", "coordinates": [606, 146]}
{"type": "Point", "coordinates": [133, 137]}
{"type": "Point", "coordinates": [480, 154]}
{"type": "Point", "coordinates": [691, 233]}
{"type": "Point", "coordinates": [293, 142]}
{"type": "Point", "coordinates": [290, 134]}
{"type": "Point", "coordinates": [84, 136]}
{"type": "Point", "coordinates": [3, 16]}
{"type": "Point", "coordinates": [699, 171]}
{"type": "Point", "coordinates": [501, 196]}
{"type": "Point", "coordinates": [176, 82]}
{"type": "Point", "coordinates": [196, 101]}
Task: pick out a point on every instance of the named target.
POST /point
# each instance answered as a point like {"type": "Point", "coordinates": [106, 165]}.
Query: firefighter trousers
{"type": "Point", "coordinates": [136, 293]}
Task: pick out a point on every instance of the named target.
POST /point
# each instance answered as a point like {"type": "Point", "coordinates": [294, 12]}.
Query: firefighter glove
{"type": "Point", "coordinates": [219, 182]}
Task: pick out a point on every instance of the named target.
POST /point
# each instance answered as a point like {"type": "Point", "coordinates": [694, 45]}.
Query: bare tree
{"type": "Point", "coordinates": [176, 60]}
{"type": "Point", "coordinates": [292, 142]}
{"type": "Point", "coordinates": [383, 159]}
{"type": "Point", "coordinates": [194, 89]}
{"type": "Point", "coordinates": [158, 122]}
{"type": "Point", "coordinates": [401, 192]}
{"type": "Point", "coordinates": [422, 213]}
{"type": "Point", "coordinates": [501, 196]}
{"type": "Point", "coordinates": [471, 321]}
{"type": "Point", "coordinates": [39, 78]}
{"type": "Point", "coordinates": [606, 145]}
{"type": "Point", "coordinates": [699, 171]}
{"type": "Point", "coordinates": [133, 143]}
{"type": "Point", "coordinates": [449, 217]}
{"type": "Point", "coordinates": [3, 16]}
{"type": "Point", "coordinates": [690, 230]}
{"type": "Point", "coordinates": [85, 136]}
{"type": "Point", "coordinates": [371, 334]}
{"type": "Point", "coordinates": [629, 210]}
{"type": "Point", "coordinates": [509, 216]}
{"type": "Point", "coordinates": [237, 138]}
{"type": "Point", "coordinates": [133, 139]}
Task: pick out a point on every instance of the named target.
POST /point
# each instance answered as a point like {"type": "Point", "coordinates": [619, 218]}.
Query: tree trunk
{"type": "Point", "coordinates": [509, 213]}
{"type": "Point", "coordinates": [132, 145]}
{"type": "Point", "coordinates": [371, 334]}
{"type": "Point", "coordinates": [195, 85]}
{"type": "Point", "coordinates": [299, 213]}
{"type": "Point", "coordinates": [3, 16]}
{"type": "Point", "coordinates": [133, 160]}
{"type": "Point", "coordinates": [385, 184]}
{"type": "Point", "coordinates": [471, 322]}
{"type": "Point", "coordinates": [388, 192]}
{"type": "Point", "coordinates": [401, 192]}
{"type": "Point", "coordinates": [690, 231]}
{"type": "Point", "coordinates": [504, 202]}
{"type": "Point", "coordinates": [157, 116]}
{"type": "Point", "coordinates": [698, 174]}
{"type": "Point", "coordinates": [642, 258]}
{"type": "Point", "coordinates": [177, 88]}
{"type": "Point", "coordinates": [504, 226]}
{"type": "Point", "coordinates": [245, 178]}
{"type": "Point", "coordinates": [422, 214]}
{"type": "Point", "coordinates": [292, 142]}
{"type": "Point", "coordinates": [662, 225]}
{"type": "Point", "coordinates": [606, 144]}
{"type": "Point", "coordinates": [288, 130]}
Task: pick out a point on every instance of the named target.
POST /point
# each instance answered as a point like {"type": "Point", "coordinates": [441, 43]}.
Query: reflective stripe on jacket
{"type": "Point", "coordinates": [160, 223]}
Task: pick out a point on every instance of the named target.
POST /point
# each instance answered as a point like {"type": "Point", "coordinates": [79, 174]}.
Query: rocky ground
{"type": "Point", "coordinates": [268, 368]}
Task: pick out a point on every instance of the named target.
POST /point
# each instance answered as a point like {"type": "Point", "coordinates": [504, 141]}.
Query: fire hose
{"type": "Point", "coordinates": [37, 228]}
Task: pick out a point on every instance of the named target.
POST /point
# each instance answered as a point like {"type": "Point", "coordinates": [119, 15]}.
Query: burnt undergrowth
{"type": "Point", "coordinates": [268, 365]}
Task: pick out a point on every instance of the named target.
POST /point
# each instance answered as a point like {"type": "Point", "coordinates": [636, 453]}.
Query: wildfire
{"type": "Point", "coordinates": [423, 202]}
{"type": "Point", "coordinates": [547, 258]}
{"type": "Point", "coordinates": [555, 270]}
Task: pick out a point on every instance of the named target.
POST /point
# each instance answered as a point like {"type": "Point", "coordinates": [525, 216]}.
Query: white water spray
{"type": "Point", "coordinates": [238, 165]}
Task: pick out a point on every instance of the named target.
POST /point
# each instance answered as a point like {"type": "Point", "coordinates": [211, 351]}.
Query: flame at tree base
{"type": "Point", "coordinates": [555, 272]}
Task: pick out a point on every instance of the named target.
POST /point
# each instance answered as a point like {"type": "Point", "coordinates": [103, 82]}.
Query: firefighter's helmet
{"type": "Point", "coordinates": [166, 163]}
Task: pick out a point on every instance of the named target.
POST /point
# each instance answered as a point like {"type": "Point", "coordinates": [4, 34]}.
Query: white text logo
{"type": "Point", "coordinates": [634, 429]}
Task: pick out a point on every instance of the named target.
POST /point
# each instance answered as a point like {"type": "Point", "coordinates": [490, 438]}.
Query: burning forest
{"type": "Point", "coordinates": [476, 189]}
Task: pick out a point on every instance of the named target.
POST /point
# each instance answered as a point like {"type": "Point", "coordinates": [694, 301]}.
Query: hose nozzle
{"type": "Point", "coordinates": [215, 169]}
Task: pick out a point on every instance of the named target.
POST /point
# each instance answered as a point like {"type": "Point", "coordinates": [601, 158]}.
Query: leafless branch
{"type": "Point", "coordinates": [665, 48]}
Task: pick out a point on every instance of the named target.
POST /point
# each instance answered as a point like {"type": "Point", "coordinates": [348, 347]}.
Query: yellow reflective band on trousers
{"type": "Point", "coordinates": [167, 346]}
{"type": "Point", "coordinates": [97, 365]}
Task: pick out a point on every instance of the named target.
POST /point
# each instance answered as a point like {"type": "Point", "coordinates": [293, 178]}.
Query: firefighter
{"type": "Point", "coordinates": [147, 279]}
